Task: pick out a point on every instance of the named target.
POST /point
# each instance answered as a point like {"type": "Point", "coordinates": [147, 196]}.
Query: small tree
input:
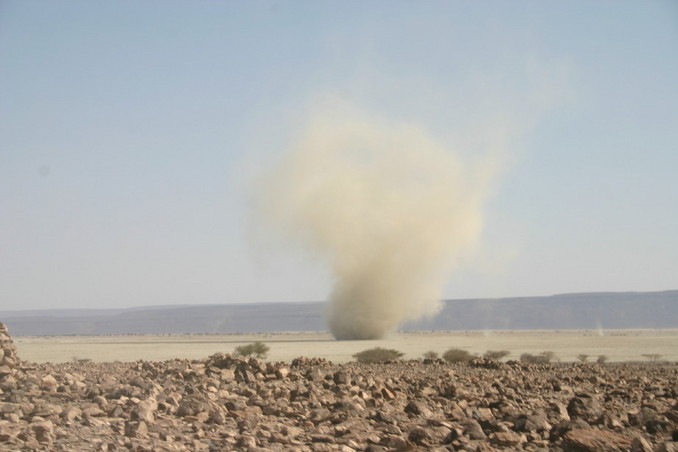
{"type": "Point", "coordinates": [431, 355]}
{"type": "Point", "coordinates": [457, 355]}
{"type": "Point", "coordinates": [496, 354]}
{"type": "Point", "coordinates": [377, 355]}
{"type": "Point", "coordinates": [258, 349]}
{"type": "Point", "coordinates": [583, 357]}
{"type": "Point", "coordinates": [601, 359]}
{"type": "Point", "coordinates": [652, 357]}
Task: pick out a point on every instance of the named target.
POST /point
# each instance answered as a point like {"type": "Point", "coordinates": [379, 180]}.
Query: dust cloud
{"type": "Point", "coordinates": [388, 207]}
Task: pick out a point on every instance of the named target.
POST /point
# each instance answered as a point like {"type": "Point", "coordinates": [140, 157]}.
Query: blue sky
{"type": "Point", "coordinates": [127, 130]}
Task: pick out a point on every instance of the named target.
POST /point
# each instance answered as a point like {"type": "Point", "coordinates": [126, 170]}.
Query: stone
{"type": "Point", "coordinates": [418, 408]}
{"type": "Point", "coordinates": [594, 440]}
{"type": "Point", "coordinates": [145, 411]}
{"type": "Point", "coordinates": [507, 439]}
{"type": "Point", "coordinates": [341, 378]}
{"type": "Point", "coordinates": [584, 406]}
{"type": "Point", "coordinates": [49, 383]}
{"type": "Point", "coordinates": [44, 431]}
{"type": "Point", "coordinates": [474, 430]}
{"type": "Point", "coordinates": [136, 429]}
{"type": "Point", "coordinates": [281, 373]}
{"type": "Point", "coordinates": [641, 445]}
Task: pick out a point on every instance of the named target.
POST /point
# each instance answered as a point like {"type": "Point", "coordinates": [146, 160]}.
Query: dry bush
{"type": "Point", "coordinates": [548, 355]}
{"type": "Point", "coordinates": [496, 354]}
{"type": "Point", "coordinates": [81, 360]}
{"type": "Point", "coordinates": [457, 355]}
{"type": "Point", "coordinates": [601, 359]}
{"type": "Point", "coordinates": [258, 349]}
{"type": "Point", "coordinates": [542, 358]}
{"type": "Point", "coordinates": [377, 355]}
{"type": "Point", "coordinates": [652, 357]}
{"type": "Point", "coordinates": [583, 358]}
{"type": "Point", "coordinates": [431, 355]}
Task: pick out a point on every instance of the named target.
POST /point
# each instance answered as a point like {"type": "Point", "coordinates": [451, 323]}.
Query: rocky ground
{"type": "Point", "coordinates": [227, 403]}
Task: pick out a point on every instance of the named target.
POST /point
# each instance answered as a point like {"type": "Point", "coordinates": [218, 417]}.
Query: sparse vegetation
{"type": "Point", "coordinates": [457, 355]}
{"type": "Point", "coordinates": [496, 354]}
{"type": "Point", "coordinates": [602, 359]}
{"type": "Point", "coordinates": [431, 355]}
{"type": "Point", "coordinates": [81, 360]}
{"type": "Point", "coordinates": [652, 357]}
{"type": "Point", "coordinates": [377, 355]}
{"type": "Point", "coordinates": [583, 358]}
{"type": "Point", "coordinates": [548, 355]}
{"type": "Point", "coordinates": [542, 358]}
{"type": "Point", "coordinates": [257, 349]}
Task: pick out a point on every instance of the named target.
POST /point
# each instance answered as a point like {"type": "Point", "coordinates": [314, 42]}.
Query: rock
{"type": "Point", "coordinates": [145, 411]}
{"type": "Point", "coordinates": [641, 445]}
{"type": "Point", "coordinates": [192, 406]}
{"type": "Point", "coordinates": [532, 423]}
{"type": "Point", "coordinates": [46, 409]}
{"type": "Point", "coordinates": [136, 429]}
{"type": "Point", "coordinates": [418, 408]}
{"type": "Point", "coordinates": [5, 371]}
{"type": "Point", "coordinates": [593, 440]}
{"type": "Point", "coordinates": [49, 383]}
{"type": "Point", "coordinates": [474, 430]}
{"type": "Point", "coordinates": [387, 394]}
{"type": "Point", "coordinates": [341, 378]}
{"type": "Point", "coordinates": [584, 406]}
{"type": "Point", "coordinates": [9, 359]}
{"type": "Point", "coordinates": [563, 427]}
{"type": "Point", "coordinates": [43, 431]}
{"type": "Point", "coordinates": [507, 439]}
{"type": "Point", "coordinates": [71, 413]}
{"type": "Point", "coordinates": [557, 412]}
{"type": "Point", "coordinates": [246, 441]}
{"type": "Point", "coordinates": [668, 447]}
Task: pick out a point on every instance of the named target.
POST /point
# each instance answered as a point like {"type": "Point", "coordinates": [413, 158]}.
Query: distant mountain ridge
{"type": "Point", "coordinates": [598, 310]}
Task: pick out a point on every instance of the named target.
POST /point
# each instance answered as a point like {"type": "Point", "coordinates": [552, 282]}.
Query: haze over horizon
{"type": "Point", "coordinates": [130, 131]}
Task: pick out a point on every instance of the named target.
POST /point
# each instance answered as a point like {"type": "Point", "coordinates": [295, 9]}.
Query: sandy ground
{"type": "Point", "coordinates": [617, 345]}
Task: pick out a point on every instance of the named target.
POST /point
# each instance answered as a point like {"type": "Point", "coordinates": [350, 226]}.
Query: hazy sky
{"type": "Point", "coordinates": [128, 129]}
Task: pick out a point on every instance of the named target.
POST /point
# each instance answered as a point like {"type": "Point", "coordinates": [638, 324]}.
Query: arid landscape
{"type": "Point", "coordinates": [319, 226]}
{"type": "Point", "coordinates": [187, 393]}
{"type": "Point", "coordinates": [617, 345]}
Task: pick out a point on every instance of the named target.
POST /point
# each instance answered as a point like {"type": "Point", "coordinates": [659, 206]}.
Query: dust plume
{"type": "Point", "coordinates": [388, 207]}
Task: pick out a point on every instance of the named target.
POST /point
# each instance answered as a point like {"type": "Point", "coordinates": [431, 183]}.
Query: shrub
{"type": "Point", "coordinates": [496, 354]}
{"type": "Point", "coordinates": [258, 349]}
{"type": "Point", "coordinates": [548, 356]}
{"type": "Point", "coordinates": [81, 360]}
{"type": "Point", "coordinates": [457, 355]}
{"type": "Point", "coordinates": [652, 357]}
{"type": "Point", "coordinates": [601, 359]}
{"type": "Point", "coordinates": [431, 355]}
{"type": "Point", "coordinates": [377, 355]}
{"type": "Point", "coordinates": [530, 358]}
{"type": "Point", "coordinates": [542, 358]}
{"type": "Point", "coordinates": [583, 357]}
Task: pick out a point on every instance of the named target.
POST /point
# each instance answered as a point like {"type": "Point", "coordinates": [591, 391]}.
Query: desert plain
{"type": "Point", "coordinates": [617, 345]}
{"type": "Point", "coordinates": [190, 393]}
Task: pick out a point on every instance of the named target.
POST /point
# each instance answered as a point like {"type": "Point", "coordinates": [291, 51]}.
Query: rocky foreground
{"type": "Point", "coordinates": [227, 403]}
